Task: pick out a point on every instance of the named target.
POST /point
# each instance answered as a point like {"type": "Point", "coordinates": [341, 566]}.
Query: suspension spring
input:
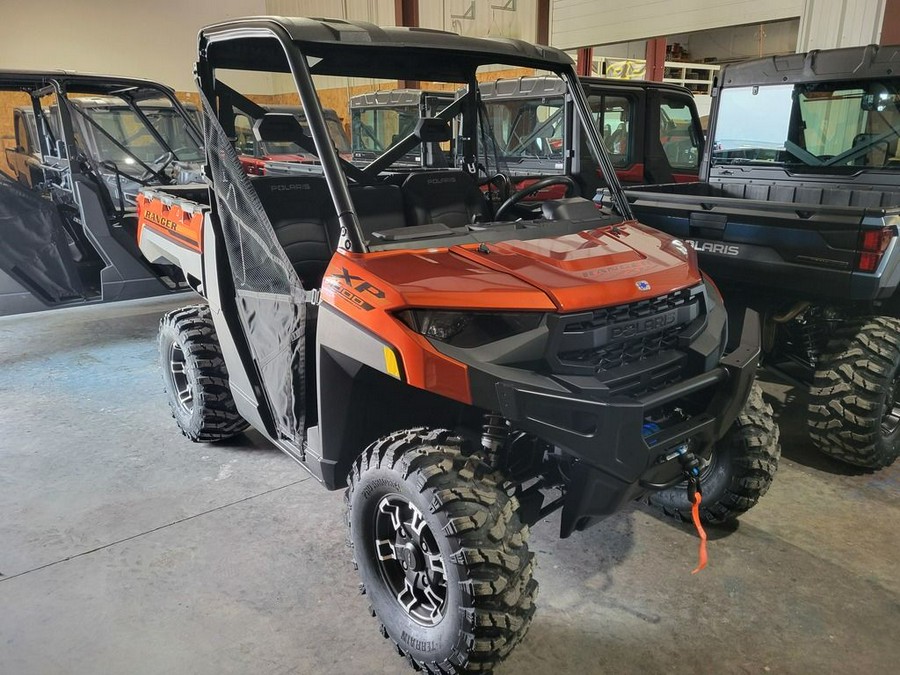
{"type": "Point", "coordinates": [494, 434]}
{"type": "Point", "coordinates": [812, 333]}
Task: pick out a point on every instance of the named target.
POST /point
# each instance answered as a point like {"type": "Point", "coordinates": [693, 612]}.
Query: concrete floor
{"type": "Point", "coordinates": [126, 549]}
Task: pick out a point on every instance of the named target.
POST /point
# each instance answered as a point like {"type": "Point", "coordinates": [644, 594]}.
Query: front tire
{"type": "Point", "coordinates": [441, 552]}
{"type": "Point", "coordinates": [741, 469]}
{"type": "Point", "coordinates": [854, 406]}
{"type": "Point", "coordinates": [195, 377]}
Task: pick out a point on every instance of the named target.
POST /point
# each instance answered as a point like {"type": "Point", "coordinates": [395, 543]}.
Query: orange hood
{"type": "Point", "coordinates": [587, 270]}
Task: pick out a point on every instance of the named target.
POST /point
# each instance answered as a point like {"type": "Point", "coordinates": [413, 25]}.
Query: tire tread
{"type": "Point", "coordinates": [845, 399]}
{"type": "Point", "coordinates": [219, 418]}
{"type": "Point", "coordinates": [484, 527]}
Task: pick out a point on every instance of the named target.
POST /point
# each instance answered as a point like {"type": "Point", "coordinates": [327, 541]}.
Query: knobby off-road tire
{"type": "Point", "coordinates": [195, 376]}
{"type": "Point", "coordinates": [854, 411]}
{"type": "Point", "coordinates": [741, 469]}
{"type": "Point", "coordinates": [466, 595]}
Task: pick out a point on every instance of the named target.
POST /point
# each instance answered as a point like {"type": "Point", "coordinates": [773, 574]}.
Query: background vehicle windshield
{"type": "Point", "coordinates": [376, 129]}
{"type": "Point", "coordinates": [249, 146]}
{"type": "Point", "coordinates": [840, 126]}
{"type": "Point", "coordinates": [127, 128]}
{"type": "Point", "coordinates": [528, 128]}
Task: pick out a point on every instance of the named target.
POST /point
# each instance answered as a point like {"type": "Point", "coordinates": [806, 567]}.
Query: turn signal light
{"type": "Point", "coordinates": [873, 244]}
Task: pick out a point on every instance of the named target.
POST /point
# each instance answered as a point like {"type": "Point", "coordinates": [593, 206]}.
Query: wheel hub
{"type": "Point", "coordinates": [409, 559]}
{"type": "Point", "coordinates": [181, 381]}
{"type": "Point", "coordinates": [890, 421]}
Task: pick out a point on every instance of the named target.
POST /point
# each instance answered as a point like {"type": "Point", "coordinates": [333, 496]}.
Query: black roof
{"type": "Point", "coordinates": [346, 47]}
{"type": "Point", "coordinates": [633, 84]}
{"type": "Point", "coordinates": [819, 65]}
{"type": "Point", "coordinates": [83, 83]}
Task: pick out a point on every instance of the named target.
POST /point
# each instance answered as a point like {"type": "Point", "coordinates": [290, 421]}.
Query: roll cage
{"type": "Point", "coordinates": [307, 47]}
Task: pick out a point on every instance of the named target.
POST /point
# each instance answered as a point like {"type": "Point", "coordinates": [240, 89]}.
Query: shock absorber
{"type": "Point", "coordinates": [494, 434]}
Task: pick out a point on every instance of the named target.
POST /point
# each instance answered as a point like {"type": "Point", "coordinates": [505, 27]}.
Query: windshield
{"type": "Point", "coordinates": [128, 137]}
{"type": "Point", "coordinates": [376, 129]}
{"type": "Point", "coordinates": [840, 127]}
{"type": "Point", "coordinates": [250, 147]}
{"type": "Point", "coordinates": [381, 118]}
{"type": "Point", "coordinates": [528, 128]}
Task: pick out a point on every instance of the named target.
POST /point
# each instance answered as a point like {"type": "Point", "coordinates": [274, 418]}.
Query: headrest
{"type": "Point", "coordinates": [433, 130]}
{"type": "Point", "coordinates": [278, 127]}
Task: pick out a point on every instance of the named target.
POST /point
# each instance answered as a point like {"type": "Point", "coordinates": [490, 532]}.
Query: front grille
{"type": "Point", "coordinates": [633, 348]}
{"type": "Point", "coordinates": [636, 310]}
{"type": "Point", "coordinates": [618, 354]}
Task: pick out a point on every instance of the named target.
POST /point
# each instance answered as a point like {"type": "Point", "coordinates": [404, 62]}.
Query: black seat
{"type": "Point", "coordinates": [301, 211]}
{"type": "Point", "coordinates": [378, 207]}
{"type": "Point", "coordinates": [448, 197]}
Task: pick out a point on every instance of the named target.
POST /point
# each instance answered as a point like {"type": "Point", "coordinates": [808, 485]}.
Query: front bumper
{"type": "Point", "coordinates": [615, 461]}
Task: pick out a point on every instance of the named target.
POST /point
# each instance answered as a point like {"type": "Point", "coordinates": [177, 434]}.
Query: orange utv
{"type": "Point", "coordinates": [462, 361]}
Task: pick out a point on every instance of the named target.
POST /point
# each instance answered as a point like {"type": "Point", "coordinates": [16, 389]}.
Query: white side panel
{"type": "Point", "coordinates": [380, 12]}
{"type": "Point", "coordinates": [161, 250]}
{"type": "Point", "coordinates": [827, 24]}
{"type": "Point", "coordinates": [482, 18]}
{"type": "Point", "coordinates": [583, 23]}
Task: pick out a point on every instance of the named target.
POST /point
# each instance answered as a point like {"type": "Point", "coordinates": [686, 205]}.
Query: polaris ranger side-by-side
{"type": "Point", "coordinates": [84, 145]}
{"type": "Point", "coordinates": [797, 216]}
{"type": "Point", "coordinates": [260, 158]}
{"type": "Point", "coordinates": [651, 130]}
{"type": "Point", "coordinates": [379, 118]}
{"type": "Point", "coordinates": [461, 370]}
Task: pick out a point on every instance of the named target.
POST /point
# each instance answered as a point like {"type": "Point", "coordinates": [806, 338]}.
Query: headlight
{"type": "Point", "coordinates": [469, 329]}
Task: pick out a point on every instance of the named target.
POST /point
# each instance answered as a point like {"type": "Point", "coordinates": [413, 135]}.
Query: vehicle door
{"type": "Point", "coordinates": [616, 112]}
{"type": "Point", "coordinates": [679, 135]}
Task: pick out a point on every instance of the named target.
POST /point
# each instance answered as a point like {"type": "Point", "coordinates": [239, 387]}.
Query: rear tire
{"type": "Point", "coordinates": [854, 407]}
{"type": "Point", "coordinates": [441, 552]}
{"type": "Point", "coordinates": [741, 469]}
{"type": "Point", "coordinates": [195, 377]}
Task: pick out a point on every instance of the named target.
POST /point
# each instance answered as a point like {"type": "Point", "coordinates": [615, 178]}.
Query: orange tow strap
{"type": "Point", "coordinates": [695, 516]}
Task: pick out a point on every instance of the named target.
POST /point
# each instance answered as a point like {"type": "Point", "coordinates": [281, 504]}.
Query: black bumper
{"type": "Point", "coordinates": [616, 461]}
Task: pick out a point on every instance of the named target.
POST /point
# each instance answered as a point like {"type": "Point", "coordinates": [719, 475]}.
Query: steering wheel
{"type": "Point", "coordinates": [165, 159]}
{"type": "Point", "coordinates": [537, 186]}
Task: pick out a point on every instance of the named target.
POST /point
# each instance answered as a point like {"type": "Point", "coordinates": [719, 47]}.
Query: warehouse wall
{"type": "Point", "coordinates": [840, 23]}
{"type": "Point", "coordinates": [823, 24]}
{"type": "Point", "coordinates": [482, 18]}
{"type": "Point", "coordinates": [156, 40]}
{"type": "Point", "coordinates": [741, 42]}
{"type": "Point", "coordinates": [580, 23]}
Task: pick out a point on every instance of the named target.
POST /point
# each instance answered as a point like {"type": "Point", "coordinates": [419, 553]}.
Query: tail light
{"type": "Point", "coordinates": [872, 245]}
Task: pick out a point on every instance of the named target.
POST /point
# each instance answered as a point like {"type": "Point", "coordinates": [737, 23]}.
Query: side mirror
{"type": "Point", "coordinates": [279, 127]}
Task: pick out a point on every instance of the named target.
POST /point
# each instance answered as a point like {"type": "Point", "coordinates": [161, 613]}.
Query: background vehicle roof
{"type": "Point", "coordinates": [816, 66]}
{"type": "Point", "coordinates": [391, 97]}
{"type": "Point", "coordinates": [531, 87]}
{"type": "Point", "coordinates": [83, 83]}
{"type": "Point", "coordinates": [634, 84]}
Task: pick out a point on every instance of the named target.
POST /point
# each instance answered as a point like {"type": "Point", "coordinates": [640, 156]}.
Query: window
{"type": "Point", "coordinates": [23, 137]}
{"type": "Point", "coordinates": [833, 127]}
{"type": "Point", "coordinates": [529, 128]}
{"type": "Point", "coordinates": [613, 115]}
{"type": "Point", "coordinates": [850, 125]}
{"type": "Point", "coordinates": [376, 129]}
{"type": "Point", "coordinates": [243, 131]}
{"type": "Point", "coordinates": [677, 133]}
